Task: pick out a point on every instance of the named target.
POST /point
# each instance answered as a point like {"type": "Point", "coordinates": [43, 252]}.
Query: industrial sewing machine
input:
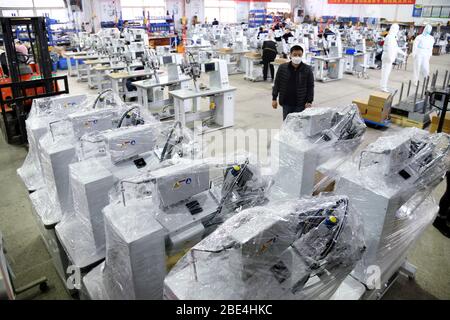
{"type": "Point", "coordinates": [219, 92]}
{"type": "Point", "coordinates": [188, 201]}
{"type": "Point", "coordinates": [43, 111]}
{"type": "Point", "coordinates": [135, 35]}
{"type": "Point", "coordinates": [331, 66]}
{"type": "Point", "coordinates": [316, 139]}
{"type": "Point", "coordinates": [388, 186]}
{"type": "Point", "coordinates": [58, 148]}
{"type": "Point", "coordinates": [109, 157]}
{"type": "Point", "coordinates": [298, 249]}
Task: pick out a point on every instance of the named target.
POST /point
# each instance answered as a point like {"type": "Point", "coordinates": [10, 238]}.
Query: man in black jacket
{"type": "Point", "coordinates": [442, 222]}
{"type": "Point", "coordinates": [269, 48]}
{"type": "Point", "coordinates": [294, 83]}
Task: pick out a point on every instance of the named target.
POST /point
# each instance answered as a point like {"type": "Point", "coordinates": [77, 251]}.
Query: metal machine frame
{"type": "Point", "coordinates": [37, 36]}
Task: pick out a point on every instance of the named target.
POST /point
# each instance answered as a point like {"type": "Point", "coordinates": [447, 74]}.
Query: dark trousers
{"type": "Point", "coordinates": [444, 204]}
{"type": "Point", "coordinates": [290, 109]}
{"type": "Point", "coordinates": [266, 65]}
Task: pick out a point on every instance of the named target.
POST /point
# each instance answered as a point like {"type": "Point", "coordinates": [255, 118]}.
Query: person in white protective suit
{"type": "Point", "coordinates": [390, 52]}
{"type": "Point", "coordinates": [422, 52]}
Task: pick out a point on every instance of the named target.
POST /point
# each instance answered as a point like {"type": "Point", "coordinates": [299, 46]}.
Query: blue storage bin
{"type": "Point", "coordinates": [62, 64]}
{"type": "Point", "coordinates": [350, 51]}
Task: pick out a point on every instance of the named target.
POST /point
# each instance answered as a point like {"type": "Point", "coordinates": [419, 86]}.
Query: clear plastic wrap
{"type": "Point", "coordinates": [42, 112]}
{"type": "Point", "coordinates": [109, 157]}
{"type": "Point", "coordinates": [294, 249]}
{"type": "Point", "coordinates": [317, 139]}
{"type": "Point", "coordinates": [44, 115]}
{"type": "Point", "coordinates": [391, 179]}
{"type": "Point", "coordinates": [61, 146]}
{"type": "Point", "coordinates": [173, 208]}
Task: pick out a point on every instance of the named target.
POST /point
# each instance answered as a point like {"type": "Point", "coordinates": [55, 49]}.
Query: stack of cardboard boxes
{"type": "Point", "coordinates": [376, 108]}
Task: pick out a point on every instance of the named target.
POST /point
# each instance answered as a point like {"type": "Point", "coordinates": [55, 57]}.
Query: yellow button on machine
{"type": "Point", "coordinates": [332, 219]}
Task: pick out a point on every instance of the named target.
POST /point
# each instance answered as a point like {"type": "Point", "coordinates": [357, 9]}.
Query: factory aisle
{"type": "Point", "coordinates": [30, 260]}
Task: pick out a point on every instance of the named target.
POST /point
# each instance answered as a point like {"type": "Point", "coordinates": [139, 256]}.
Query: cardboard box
{"type": "Point", "coordinates": [375, 111]}
{"type": "Point", "coordinates": [434, 127]}
{"type": "Point", "coordinates": [397, 119]}
{"type": "Point", "coordinates": [435, 119]}
{"type": "Point", "coordinates": [254, 55]}
{"type": "Point", "coordinates": [376, 118]}
{"type": "Point", "coordinates": [378, 99]}
{"type": "Point", "coordinates": [225, 50]}
{"type": "Point", "coordinates": [435, 122]}
{"type": "Point", "coordinates": [362, 105]}
{"type": "Point", "coordinates": [280, 61]}
{"type": "Point", "coordinates": [411, 123]}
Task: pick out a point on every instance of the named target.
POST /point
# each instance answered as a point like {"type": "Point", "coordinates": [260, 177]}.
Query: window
{"type": "Point", "coordinates": [436, 12]}
{"type": "Point", "coordinates": [49, 3]}
{"type": "Point", "coordinates": [58, 14]}
{"type": "Point", "coordinates": [223, 10]}
{"type": "Point", "coordinates": [55, 9]}
{"type": "Point", "coordinates": [445, 13]}
{"type": "Point", "coordinates": [278, 7]}
{"type": "Point", "coordinates": [10, 13]}
{"type": "Point", "coordinates": [16, 4]}
{"type": "Point", "coordinates": [135, 9]}
{"type": "Point", "coordinates": [26, 13]}
{"type": "Point", "coordinates": [426, 12]}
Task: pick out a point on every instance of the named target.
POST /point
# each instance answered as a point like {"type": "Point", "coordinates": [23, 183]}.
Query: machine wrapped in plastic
{"type": "Point", "coordinates": [316, 139]}
{"type": "Point", "coordinates": [60, 146]}
{"type": "Point", "coordinates": [388, 184]}
{"type": "Point", "coordinates": [162, 215]}
{"type": "Point", "coordinates": [292, 249]}
{"type": "Point", "coordinates": [109, 157]}
{"type": "Point", "coordinates": [43, 111]}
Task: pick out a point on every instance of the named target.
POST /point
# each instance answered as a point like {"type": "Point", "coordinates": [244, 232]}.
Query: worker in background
{"type": "Point", "coordinates": [20, 47]}
{"type": "Point", "coordinates": [328, 32]}
{"type": "Point", "coordinates": [269, 49]}
{"type": "Point", "coordinates": [288, 22]}
{"type": "Point", "coordinates": [194, 20]}
{"type": "Point", "coordinates": [123, 29]}
{"type": "Point", "coordinates": [22, 57]}
{"type": "Point", "coordinates": [215, 22]}
{"type": "Point", "coordinates": [422, 52]}
{"type": "Point", "coordinates": [390, 52]}
{"type": "Point", "coordinates": [287, 34]}
{"type": "Point", "coordinates": [284, 46]}
{"type": "Point", "coordinates": [294, 84]}
{"type": "Point", "coordinates": [261, 31]}
{"type": "Point", "coordinates": [442, 222]}
{"type": "Point", "coordinates": [4, 63]}
{"type": "Point", "coordinates": [322, 43]}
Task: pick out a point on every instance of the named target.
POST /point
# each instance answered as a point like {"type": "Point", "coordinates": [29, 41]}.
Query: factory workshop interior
{"type": "Point", "coordinates": [225, 150]}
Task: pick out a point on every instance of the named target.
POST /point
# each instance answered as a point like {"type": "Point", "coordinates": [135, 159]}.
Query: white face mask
{"type": "Point", "coordinates": [296, 60]}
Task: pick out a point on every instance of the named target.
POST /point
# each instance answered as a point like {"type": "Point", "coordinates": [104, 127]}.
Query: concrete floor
{"type": "Point", "coordinates": [30, 260]}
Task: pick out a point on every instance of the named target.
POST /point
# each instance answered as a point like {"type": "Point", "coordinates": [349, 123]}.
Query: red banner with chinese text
{"type": "Point", "coordinates": [371, 1]}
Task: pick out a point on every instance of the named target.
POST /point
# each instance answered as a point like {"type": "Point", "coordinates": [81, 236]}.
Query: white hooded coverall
{"type": "Point", "coordinates": [422, 52]}
{"type": "Point", "coordinates": [390, 52]}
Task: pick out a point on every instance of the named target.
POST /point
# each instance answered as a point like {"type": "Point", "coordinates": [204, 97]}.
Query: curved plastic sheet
{"type": "Point", "coordinates": [295, 249]}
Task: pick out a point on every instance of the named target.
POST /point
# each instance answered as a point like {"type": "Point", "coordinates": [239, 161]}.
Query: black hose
{"type": "Point", "coordinates": [99, 96]}
{"type": "Point", "coordinates": [166, 145]}
{"type": "Point", "coordinates": [125, 114]}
